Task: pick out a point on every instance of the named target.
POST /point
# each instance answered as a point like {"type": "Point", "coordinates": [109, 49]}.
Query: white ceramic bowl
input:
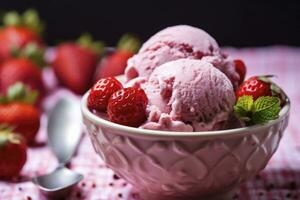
{"type": "Point", "coordinates": [183, 165]}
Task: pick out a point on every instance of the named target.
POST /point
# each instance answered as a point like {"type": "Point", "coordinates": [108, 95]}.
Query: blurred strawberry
{"type": "Point", "coordinates": [19, 31]}
{"type": "Point", "coordinates": [17, 111]}
{"type": "Point", "coordinates": [115, 63]}
{"type": "Point", "coordinates": [75, 63]}
{"type": "Point", "coordinates": [12, 153]}
{"type": "Point", "coordinates": [20, 70]}
{"type": "Point", "coordinates": [241, 69]}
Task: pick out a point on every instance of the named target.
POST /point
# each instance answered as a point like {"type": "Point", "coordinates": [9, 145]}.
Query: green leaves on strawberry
{"type": "Point", "coordinates": [262, 110]}
{"type": "Point", "coordinates": [18, 112]}
{"type": "Point", "coordinates": [30, 19]}
{"type": "Point", "coordinates": [19, 31]}
{"type": "Point", "coordinates": [129, 43]}
{"type": "Point", "coordinates": [20, 93]}
{"type": "Point", "coordinates": [87, 41]}
{"type": "Point", "coordinates": [32, 52]}
{"type": "Point", "coordinates": [21, 70]}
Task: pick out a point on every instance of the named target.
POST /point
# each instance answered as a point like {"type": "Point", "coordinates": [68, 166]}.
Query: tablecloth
{"type": "Point", "coordinates": [279, 180]}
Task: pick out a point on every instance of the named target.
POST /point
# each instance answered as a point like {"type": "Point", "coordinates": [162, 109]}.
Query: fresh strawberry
{"type": "Point", "coordinates": [258, 86]}
{"type": "Point", "coordinates": [19, 31]}
{"type": "Point", "coordinates": [17, 111]}
{"type": "Point", "coordinates": [128, 107]}
{"type": "Point", "coordinates": [241, 69]}
{"type": "Point", "coordinates": [101, 92]}
{"type": "Point", "coordinates": [20, 70]}
{"type": "Point", "coordinates": [114, 64]}
{"type": "Point", "coordinates": [12, 153]}
{"type": "Point", "coordinates": [75, 63]}
{"type": "Point", "coordinates": [25, 119]}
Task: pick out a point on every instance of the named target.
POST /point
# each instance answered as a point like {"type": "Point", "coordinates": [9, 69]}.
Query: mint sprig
{"type": "Point", "coordinates": [262, 110]}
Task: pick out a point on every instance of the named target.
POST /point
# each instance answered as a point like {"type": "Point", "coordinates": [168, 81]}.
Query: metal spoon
{"type": "Point", "coordinates": [64, 133]}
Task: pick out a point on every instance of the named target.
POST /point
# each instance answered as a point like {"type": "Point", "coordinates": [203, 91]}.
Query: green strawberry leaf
{"type": "Point", "coordinates": [3, 99]}
{"type": "Point", "coordinates": [244, 106]}
{"type": "Point", "coordinates": [6, 127]}
{"type": "Point", "coordinates": [20, 92]}
{"type": "Point", "coordinates": [129, 42]}
{"type": "Point", "coordinates": [7, 136]}
{"type": "Point", "coordinates": [31, 51]}
{"type": "Point", "coordinates": [265, 108]}
{"type": "Point", "coordinates": [87, 41]}
{"type": "Point", "coordinates": [3, 138]}
{"type": "Point", "coordinates": [30, 18]}
{"type": "Point", "coordinates": [12, 18]}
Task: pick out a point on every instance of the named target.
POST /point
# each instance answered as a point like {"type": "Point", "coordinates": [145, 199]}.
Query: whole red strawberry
{"type": "Point", "coordinates": [17, 111]}
{"type": "Point", "coordinates": [241, 69]}
{"type": "Point", "coordinates": [256, 86]}
{"type": "Point", "coordinates": [20, 70]}
{"type": "Point", "coordinates": [12, 153]}
{"type": "Point", "coordinates": [19, 31]}
{"type": "Point", "coordinates": [101, 92]}
{"type": "Point", "coordinates": [114, 64]}
{"type": "Point", "coordinates": [75, 64]}
{"type": "Point", "coordinates": [128, 107]}
{"type": "Point", "coordinates": [24, 118]}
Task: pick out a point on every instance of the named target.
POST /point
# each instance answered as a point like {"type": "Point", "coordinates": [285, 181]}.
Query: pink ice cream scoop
{"type": "Point", "coordinates": [174, 43]}
{"type": "Point", "coordinates": [187, 95]}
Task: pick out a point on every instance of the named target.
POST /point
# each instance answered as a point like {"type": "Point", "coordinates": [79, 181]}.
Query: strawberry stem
{"type": "Point", "coordinates": [30, 18]}
{"type": "Point", "coordinates": [20, 93]}
{"type": "Point", "coordinates": [86, 41]}
{"type": "Point", "coordinates": [129, 42]}
{"type": "Point", "coordinates": [7, 136]}
{"type": "Point", "coordinates": [31, 51]}
{"type": "Point", "coordinates": [12, 18]}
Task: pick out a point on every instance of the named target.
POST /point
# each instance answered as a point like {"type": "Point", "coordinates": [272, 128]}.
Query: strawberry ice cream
{"type": "Point", "coordinates": [187, 95]}
{"type": "Point", "coordinates": [178, 42]}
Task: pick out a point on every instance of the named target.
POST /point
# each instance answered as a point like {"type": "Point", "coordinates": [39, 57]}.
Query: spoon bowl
{"type": "Point", "coordinates": [58, 183]}
{"type": "Point", "coordinates": [64, 133]}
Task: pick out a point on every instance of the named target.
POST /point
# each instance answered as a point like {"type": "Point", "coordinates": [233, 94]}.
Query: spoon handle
{"type": "Point", "coordinates": [64, 128]}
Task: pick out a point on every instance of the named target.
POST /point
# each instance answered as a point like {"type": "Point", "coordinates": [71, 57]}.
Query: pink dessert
{"type": "Point", "coordinates": [178, 42]}
{"type": "Point", "coordinates": [180, 81]}
{"type": "Point", "coordinates": [187, 95]}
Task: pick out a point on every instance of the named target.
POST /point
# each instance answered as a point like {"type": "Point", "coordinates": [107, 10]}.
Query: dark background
{"type": "Point", "coordinates": [233, 23]}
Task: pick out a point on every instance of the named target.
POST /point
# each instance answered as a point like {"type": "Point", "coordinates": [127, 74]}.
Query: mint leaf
{"type": "Point", "coordinates": [265, 108]}
{"type": "Point", "coordinates": [244, 106]}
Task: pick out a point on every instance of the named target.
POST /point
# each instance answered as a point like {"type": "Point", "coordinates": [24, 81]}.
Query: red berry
{"type": "Point", "coordinates": [254, 87]}
{"type": "Point", "coordinates": [74, 66]}
{"type": "Point", "coordinates": [128, 107]}
{"type": "Point", "coordinates": [101, 92]}
{"type": "Point", "coordinates": [240, 67]}
{"type": "Point", "coordinates": [25, 118]}
{"type": "Point", "coordinates": [21, 70]}
{"type": "Point", "coordinates": [113, 64]}
{"type": "Point", "coordinates": [16, 37]}
{"type": "Point", "coordinates": [13, 154]}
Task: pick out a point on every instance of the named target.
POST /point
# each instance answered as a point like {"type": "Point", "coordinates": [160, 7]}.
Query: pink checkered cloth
{"type": "Point", "coordinates": [280, 179]}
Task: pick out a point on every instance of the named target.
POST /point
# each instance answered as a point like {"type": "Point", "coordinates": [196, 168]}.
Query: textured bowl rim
{"type": "Point", "coordinates": [145, 132]}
